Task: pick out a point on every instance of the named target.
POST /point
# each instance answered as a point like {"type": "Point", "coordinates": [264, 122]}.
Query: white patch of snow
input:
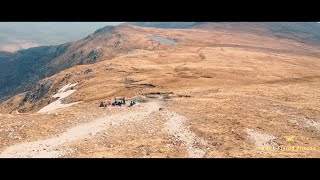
{"type": "Point", "coordinates": [62, 93]}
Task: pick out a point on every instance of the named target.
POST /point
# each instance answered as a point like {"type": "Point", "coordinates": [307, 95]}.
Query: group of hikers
{"type": "Point", "coordinates": [117, 103]}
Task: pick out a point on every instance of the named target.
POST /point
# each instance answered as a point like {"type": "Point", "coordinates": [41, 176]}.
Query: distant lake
{"type": "Point", "coordinates": [163, 40]}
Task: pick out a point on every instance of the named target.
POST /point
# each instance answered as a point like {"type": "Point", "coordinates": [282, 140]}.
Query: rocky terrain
{"type": "Point", "coordinates": [203, 91]}
{"type": "Point", "coordinates": [21, 70]}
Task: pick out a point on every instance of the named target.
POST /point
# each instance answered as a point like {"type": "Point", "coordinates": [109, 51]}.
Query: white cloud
{"type": "Point", "coordinates": [20, 35]}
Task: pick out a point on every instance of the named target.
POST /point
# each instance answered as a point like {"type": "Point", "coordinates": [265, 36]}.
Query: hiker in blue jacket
{"type": "Point", "coordinates": [132, 103]}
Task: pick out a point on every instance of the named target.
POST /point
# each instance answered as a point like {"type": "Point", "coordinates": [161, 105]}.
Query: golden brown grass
{"type": "Point", "coordinates": [231, 89]}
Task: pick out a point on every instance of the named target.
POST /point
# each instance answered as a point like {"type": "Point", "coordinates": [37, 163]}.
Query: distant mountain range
{"type": "Point", "coordinates": [22, 35]}
{"type": "Point", "coordinates": [20, 71]}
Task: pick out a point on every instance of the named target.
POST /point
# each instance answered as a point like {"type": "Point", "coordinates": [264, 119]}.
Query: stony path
{"type": "Point", "coordinates": [175, 126]}
{"type": "Point", "coordinates": [49, 148]}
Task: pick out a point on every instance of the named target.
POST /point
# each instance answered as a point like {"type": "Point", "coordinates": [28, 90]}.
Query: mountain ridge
{"type": "Point", "coordinates": [20, 71]}
{"type": "Point", "coordinates": [211, 91]}
{"type": "Point", "coordinates": [292, 29]}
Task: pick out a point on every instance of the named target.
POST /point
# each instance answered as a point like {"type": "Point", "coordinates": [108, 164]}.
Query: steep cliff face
{"type": "Point", "coordinates": [20, 71]}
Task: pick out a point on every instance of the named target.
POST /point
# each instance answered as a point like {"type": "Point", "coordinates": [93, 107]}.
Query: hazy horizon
{"type": "Point", "coordinates": [22, 35]}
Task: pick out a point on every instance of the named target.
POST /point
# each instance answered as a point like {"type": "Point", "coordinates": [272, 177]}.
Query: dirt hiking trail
{"type": "Point", "coordinates": [51, 147]}
{"type": "Point", "coordinates": [175, 126]}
